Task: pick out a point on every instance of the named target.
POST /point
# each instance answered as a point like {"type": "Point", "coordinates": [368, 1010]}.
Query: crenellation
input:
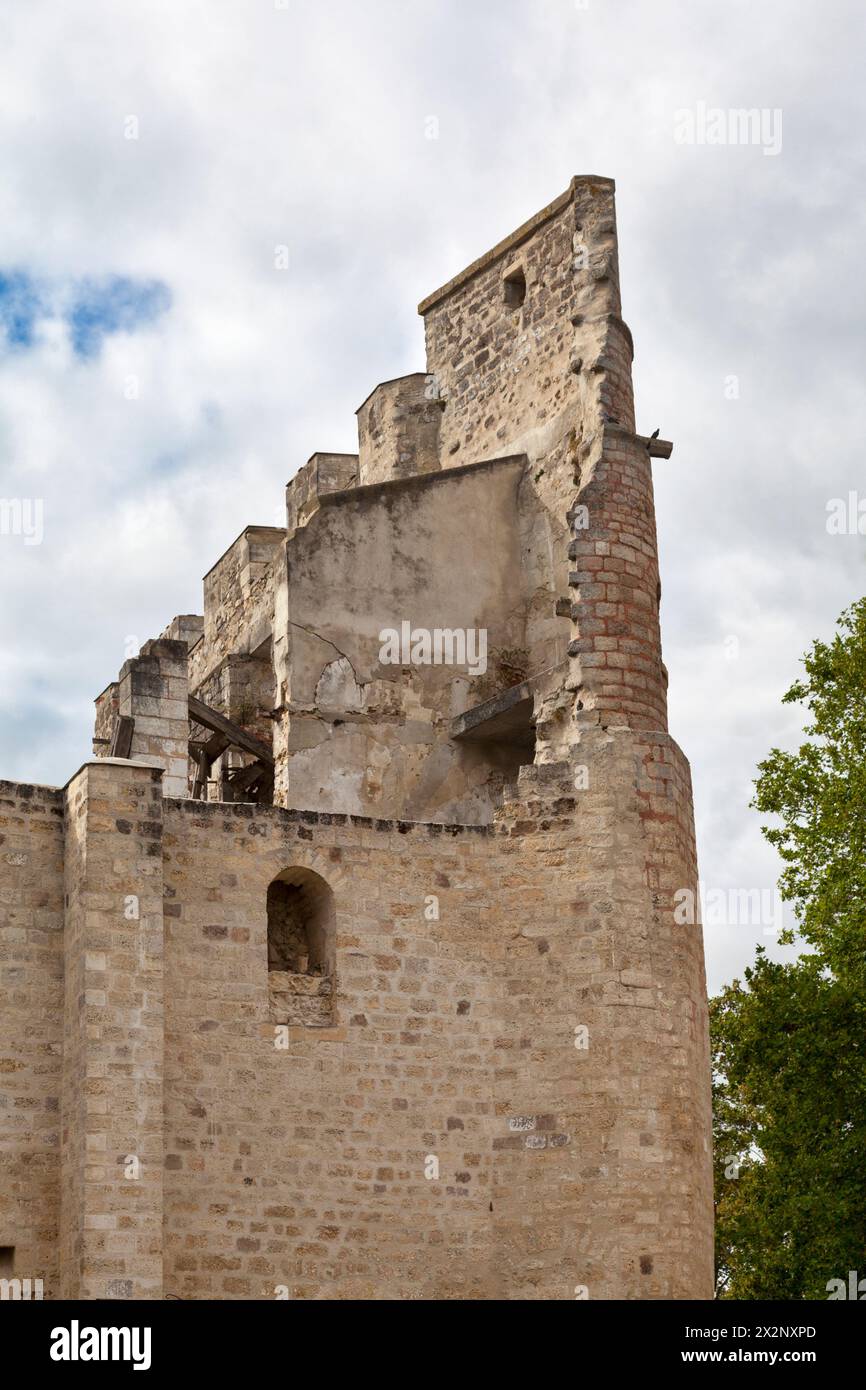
{"type": "Point", "coordinates": [320, 474]}
{"type": "Point", "coordinates": [398, 429]}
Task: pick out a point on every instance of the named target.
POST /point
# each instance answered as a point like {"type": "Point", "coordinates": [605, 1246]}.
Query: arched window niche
{"type": "Point", "coordinates": [301, 949]}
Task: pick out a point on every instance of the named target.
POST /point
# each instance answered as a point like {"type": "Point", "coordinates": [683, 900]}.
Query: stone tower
{"type": "Point", "coordinates": [348, 966]}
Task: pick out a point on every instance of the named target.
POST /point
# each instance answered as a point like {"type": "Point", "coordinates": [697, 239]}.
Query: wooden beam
{"type": "Point", "coordinates": [232, 733]}
{"type": "Point", "coordinates": [246, 777]}
{"type": "Point", "coordinates": [657, 448]}
{"type": "Point", "coordinates": [216, 744]}
{"type": "Point", "coordinates": [121, 738]}
{"type": "Point", "coordinates": [199, 786]}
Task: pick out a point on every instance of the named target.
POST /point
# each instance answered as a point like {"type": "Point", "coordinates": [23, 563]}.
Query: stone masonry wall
{"type": "Point", "coordinates": [495, 1082]}
{"type": "Point", "coordinates": [398, 430]}
{"type": "Point", "coordinates": [31, 1028]}
{"type": "Point", "coordinates": [304, 1166]}
{"type": "Point", "coordinates": [153, 691]}
{"type": "Point", "coordinates": [514, 373]}
{"type": "Point", "coordinates": [112, 1105]}
{"type": "Point", "coordinates": [603, 1181]}
{"type": "Point", "coordinates": [452, 1038]}
{"type": "Point", "coordinates": [467, 961]}
{"type": "Point", "coordinates": [321, 473]}
{"type": "Point", "coordinates": [238, 600]}
{"type": "Point", "coordinates": [553, 377]}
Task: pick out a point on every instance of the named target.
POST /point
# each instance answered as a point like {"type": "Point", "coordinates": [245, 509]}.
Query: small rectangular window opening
{"type": "Point", "coordinates": [7, 1260]}
{"type": "Point", "coordinates": [515, 288]}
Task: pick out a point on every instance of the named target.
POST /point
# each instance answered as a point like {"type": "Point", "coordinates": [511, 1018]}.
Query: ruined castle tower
{"type": "Point", "coordinates": [348, 967]}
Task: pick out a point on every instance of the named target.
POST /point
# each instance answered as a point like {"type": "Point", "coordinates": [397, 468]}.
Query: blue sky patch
{"type": "Point", "coordinates": [91, 308]}
{"type": "Point", "coordinates": [19, 306]}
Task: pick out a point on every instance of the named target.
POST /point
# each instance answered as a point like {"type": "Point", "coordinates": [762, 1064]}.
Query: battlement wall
{"type": "Point", "coordinates": [518, 342]}
{"type": "Point", "coordinates": [31, 1027]}
{"type": "Point", "coordinates": [515, 1053]}
{"type": "Point", "coordinates": [321, 473]}
{"type": "Point", "coordinates": [358, 734]}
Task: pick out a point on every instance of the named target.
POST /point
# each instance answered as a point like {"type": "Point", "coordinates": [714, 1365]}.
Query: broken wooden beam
{"type": "Point", "coordinates": [233, 734]}
{"type": "Point", "coordinates": [244, 778]}
{"type": "Point", "coordinates": [199, 786]}
{"type": "Point", "coordinates": [121, 737]}
{"type": "Point", "coordinates": [216, 744]}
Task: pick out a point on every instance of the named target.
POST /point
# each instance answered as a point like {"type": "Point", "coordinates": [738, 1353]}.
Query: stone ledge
{"type": "Point", "coordinates": [415, 481]}
{"type": "Point", "coordinates": [115, 762]}
{"type": "Point", "coordinates": [244, 810]}
{"type": "Point", "coordinates": [26, 790]}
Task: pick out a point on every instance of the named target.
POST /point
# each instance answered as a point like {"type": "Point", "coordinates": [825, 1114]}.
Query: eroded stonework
{"type": "Point", "coordinates": [348, 969]}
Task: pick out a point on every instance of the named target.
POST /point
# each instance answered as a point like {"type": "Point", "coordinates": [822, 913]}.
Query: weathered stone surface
{"type": "Point", "coordinates": [413, 1018]}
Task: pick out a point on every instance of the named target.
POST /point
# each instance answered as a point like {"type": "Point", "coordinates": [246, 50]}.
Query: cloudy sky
{"type": "Point", "coordinates": [161, 379]}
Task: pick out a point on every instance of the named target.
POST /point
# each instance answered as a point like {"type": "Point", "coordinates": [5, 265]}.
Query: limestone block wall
{"type": "Point", "coordinates": [242, 688]}
{"type": "Point", "coordinates": [513, 371]}
{"type": "Point", "coordinates": [296, 998]}
{"type": "Point", "coordinates": [453, 1038]}
{"type": "Point", "coordinates": [238, 599]}
{"type": "Point", "coordinates": [31, 1028]}
{"type": "Point", "coordinates": [398, 429]}
{"type": "Point", "coordinates": [153, 690]}
{"type": "Point", "coordinates": [111, 1151]}
{"type": "Point", "coordinates": [552, 375]}
{"type": "Point", "coordinates": [440, 1135]}
{"type": "Point", "coordinates": [186, 627]}
{"type": "Point", "coordinates": [603, 1182]}
{"type": "Point", "coordinates": [321, 473]}
{"type": "Point", "coordinates": [303, 1165]}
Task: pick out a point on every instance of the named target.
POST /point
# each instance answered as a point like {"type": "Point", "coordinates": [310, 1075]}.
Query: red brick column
{"type": "Point", "coordinates": [616, 644]}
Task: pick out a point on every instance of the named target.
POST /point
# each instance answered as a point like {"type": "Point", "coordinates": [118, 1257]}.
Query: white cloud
{"type": "Point", "coordinates": [305, 127]}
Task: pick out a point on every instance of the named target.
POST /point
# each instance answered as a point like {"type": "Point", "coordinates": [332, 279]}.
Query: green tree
{"type": "Point", "coordinates": [789, 1045]}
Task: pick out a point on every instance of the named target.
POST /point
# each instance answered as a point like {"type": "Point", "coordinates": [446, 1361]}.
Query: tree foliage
{"type": "Point", "coordinates": [789, 1044]}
